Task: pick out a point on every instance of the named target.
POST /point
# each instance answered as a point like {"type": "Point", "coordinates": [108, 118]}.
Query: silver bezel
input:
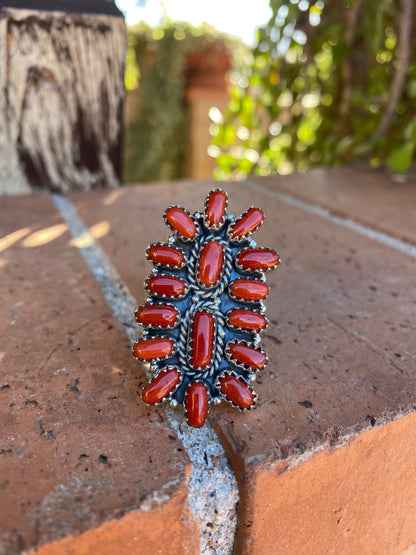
{"type": "Point", "coordinates": [186, 396]}
{"type": "Point", "coordinates": [217, 386]}
{"type": "Point", "coordinates": [224, 216]}
{"type": "Point", "coordinates": [160, 264]}
{"type": "Point", "coordinates": [163, 296]}
{"type": "Point", "coordinates": [238, 328]}
{"type": "Point", "coordinates": [240, 300]}
{"type": "Point", "coordinates": [240, 364]}
{"type": "Point", "coordinates": [145, 337]}
{"type": "Point", "coordinates": [153, 327]}
{"type": "Point", "coordinates": [176, 233]}
{"type": "Point", "coordinates": [167, 397]}
{"type": "Point", "coordinates": [247, 236]}
{"type": "Point", "coordinates": [199, 282]}
{"type": "Point", "coordinates": [189, 342]}
{"type": "Point", "coordinates": [248, 270]}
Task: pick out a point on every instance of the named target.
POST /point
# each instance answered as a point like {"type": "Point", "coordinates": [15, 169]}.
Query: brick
{"type": "Point", "coordinates": [85, 465]}
{"type": "Point", "coordinates": [341, 344]}
{"type": "Point", "coordinates": [370, 197]}
{"type": "Point", "coordinates": [358, 499]}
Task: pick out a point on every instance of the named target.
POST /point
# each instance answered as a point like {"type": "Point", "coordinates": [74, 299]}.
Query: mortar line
{"type": "Point", "coordinates": [379, 236]}
{"type": "Point", "coordinates": [213, 489]}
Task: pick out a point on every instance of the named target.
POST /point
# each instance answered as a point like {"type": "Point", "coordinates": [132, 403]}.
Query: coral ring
{"type": "Point", "coordinates": [203, 318]}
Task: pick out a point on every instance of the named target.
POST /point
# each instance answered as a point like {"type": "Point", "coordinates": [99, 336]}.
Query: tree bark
{"type": "Point", "coordinates": [62, 83]}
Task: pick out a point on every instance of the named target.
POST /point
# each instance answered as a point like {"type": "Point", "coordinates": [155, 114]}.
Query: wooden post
{"type": "Point", "coordinates": [62, 92]}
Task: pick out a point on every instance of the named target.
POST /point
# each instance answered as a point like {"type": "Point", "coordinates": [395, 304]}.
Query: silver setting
{"type": "Point", "coordinates": [224, 216]}
{"type": "Point", "coordinates": [146, 337]}
{"type": "Point", "coordinates": [250, 301]}
{"type": "Point", "coordinates": [157, 327]}
{"type": "Point", "coordinates": [229, 371]}
{"type": "Point", "coordinates": [160, 264]}
{"type": "Point", "coordinates": [167, 397]}
{"type": "Point", "coordinates": [203, 245]}
{"type": "Point", "coordinates": [163, 296]}
{"type": "Point", "coordinates": [247, 236]}
{"type": "Point", "coordinates": [242, 269]}
{"type": "Point", "coordinates": [185, 399]}
{"type": "Point", "coordinates": [190, 343]}
{"type": "Point", "coordinates": [246, 330]}
{"type": "Point", "coordinates": [176, 233]}
{"type": "Point", "coordinates": [197, 297]}
{"type": "Point", "coordinates": [241, 365]}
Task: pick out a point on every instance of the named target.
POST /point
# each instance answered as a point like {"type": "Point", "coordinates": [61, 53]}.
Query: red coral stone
{"type": "Point", "coordinates": [165, 382]}
{"type": "Point", "coordinates": [249, 289]}
{"type": "Point", "coordinates": [236, 391]}
{"type": "Point", "coordinates": [246, 319]}
{"type": "Point", "coordinates": [164, 254]}
{"type": "Point", "coordinates": [210, 263]}
{"type": "Point", "coordinates": [215, 207]}
{"type": "Point", "coordinates": [249, 222]}
{"type": "Point", "coordinates": [166, 285]}
{"type": "Point", "coordinates": [181, 222]}
{"type": "Point", "coordinates": [156, 347]}
{"type": "Point", "coordinates": [202, 339]}
{"type": "Point", "coordinates": [249, 356]}
{"type": "Point", "coordinates": [257, 259]}
{"type": "Point", "coordinates": [197, 404]}
{"type": "Point", "coordinates": [157, 315]}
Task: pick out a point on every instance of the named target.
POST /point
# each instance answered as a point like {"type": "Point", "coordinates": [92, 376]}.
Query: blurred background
{"type": "Point", "coordinates": [225, 89]}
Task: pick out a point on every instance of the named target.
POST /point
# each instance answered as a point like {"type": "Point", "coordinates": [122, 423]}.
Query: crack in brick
{"type": "Point", "coordinates": [213, 489]}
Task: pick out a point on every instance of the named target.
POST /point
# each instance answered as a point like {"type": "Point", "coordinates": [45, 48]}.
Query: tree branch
{"type": "Point", "coordinates": [347, 70]}
{"type": "Point", "coordinates": [402, 68]}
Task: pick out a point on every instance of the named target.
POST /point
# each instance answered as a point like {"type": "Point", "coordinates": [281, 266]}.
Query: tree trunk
{"type": "Point", "coordinates": [62, 83]}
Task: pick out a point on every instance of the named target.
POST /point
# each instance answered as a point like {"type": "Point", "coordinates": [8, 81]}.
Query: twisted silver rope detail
{"type": "Point", "coordinates": [205, 299]}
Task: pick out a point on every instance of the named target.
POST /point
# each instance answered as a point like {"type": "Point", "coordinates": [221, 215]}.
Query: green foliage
{"type": "Point", "coordinates": [156, 136]}
{"type": "Point", "coordinates": [319, 90]}
{"type": "Point", "coordinates": [399, 158]}
{"type": "Point", "coordinates": [156, 62]}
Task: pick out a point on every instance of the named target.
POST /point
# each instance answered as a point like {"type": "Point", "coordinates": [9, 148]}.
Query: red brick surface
{"type": "Point", "coordinates": [367, 196]}
{"type": "Point", "coordinates": [325, 464]}
{"type": "Point", "coordinates": [355, 500]}
{"type": "Point", "coordinates": [341, 344]}
{"type": "Point", "coordinates": [80, 455]}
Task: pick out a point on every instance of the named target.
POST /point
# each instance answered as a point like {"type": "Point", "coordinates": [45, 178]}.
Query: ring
{"type": "Point", "coordinates": [203, 319]}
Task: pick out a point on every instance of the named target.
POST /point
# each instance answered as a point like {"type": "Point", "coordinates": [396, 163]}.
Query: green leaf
{"type": "Point", "coordinates": [411, 88]}
{"type": "Point", "coordinates": [410, 131]}
{"type": "Point", "coordinates": [228, 135]}
{"type": "Point", "coordinates": [344, 144]}
{"type": "Point", "coordinates": [399, 159]}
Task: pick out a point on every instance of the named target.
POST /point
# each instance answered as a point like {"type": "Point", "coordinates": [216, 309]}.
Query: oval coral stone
{"type": "Point", "coordinates": [181, 221]}
{"type": "Point", "coordinates": [157, 315]}
{"type": "Point", "coordinates": [249, 356]}
{"type": "Point", "coordinates": [156, 347]}
{"type": "Point", "coordinates": [215, 208]}
{"type": "Point", "coordinates": [165, 382]}
{"type": "Point", "coordinates": [249, 289]}
{"type": "Point", "coordinates": [246, 319]}
{"type": "Point", "coordinates": [202, 339]}
{"type": "Point", "coordinates": [164, 254]}
{"type": "Point", "coordinates": [257, 259]}
{"type": "Point", "coordinates": [210, 263]}
{"type": "Point", "coordinates": [248, 223]}
{"type": "Point", "coordinates": [236, 391]}
{"type": "Point", "coordinates": [197, 404]}
{"type": "Point", "coordinates": [166, 285]}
